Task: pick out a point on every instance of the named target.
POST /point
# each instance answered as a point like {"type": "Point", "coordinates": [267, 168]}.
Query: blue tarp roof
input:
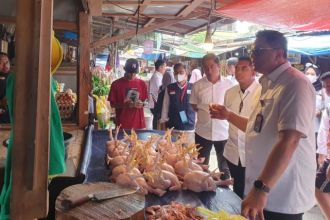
{"type": "Point", "coordinates": [310, 45]}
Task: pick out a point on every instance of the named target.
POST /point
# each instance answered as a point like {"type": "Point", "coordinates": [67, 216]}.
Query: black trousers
{"type": "Point", "coordinates": [206, 147]}
{"type": "Point", "coordinates": [154, 119]}
{"type": "Point", "coordinates": [238, 173]}
{"type": "Point", "coordinates": [280, 216]}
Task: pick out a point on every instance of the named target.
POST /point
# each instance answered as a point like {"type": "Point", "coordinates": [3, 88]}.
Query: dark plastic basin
{"type": "Point", "coordinates": [67, 140]}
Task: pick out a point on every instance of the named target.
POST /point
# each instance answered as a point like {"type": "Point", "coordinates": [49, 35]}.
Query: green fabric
{"type": "Point", "coordinates": [57, 150]}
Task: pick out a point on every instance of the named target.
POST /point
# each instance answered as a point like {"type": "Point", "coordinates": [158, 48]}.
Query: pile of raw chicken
{"type": "Point", "coordinates": [158, 164]}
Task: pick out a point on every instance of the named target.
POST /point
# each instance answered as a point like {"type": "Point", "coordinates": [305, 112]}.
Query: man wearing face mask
{"type": "Point", "coordinates": [177, 112]}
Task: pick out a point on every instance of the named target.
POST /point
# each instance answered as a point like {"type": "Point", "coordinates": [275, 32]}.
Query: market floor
{"type": "Point", "coordinates": [313, 214]}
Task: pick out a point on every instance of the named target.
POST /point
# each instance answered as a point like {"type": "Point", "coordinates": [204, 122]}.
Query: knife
{"type": "Point", "coordinates": [97, 197]}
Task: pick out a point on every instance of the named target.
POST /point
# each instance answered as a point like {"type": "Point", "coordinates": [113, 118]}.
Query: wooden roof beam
{"type": "Point", "coordinates": [151, 20]}
{"type": "Point", "coordinates": [95, 7]}
{"type": "Point", "coordinates": [145, 3]}
{"type": "Point", "coordinates": [57, 24]}
{"type": "Point", "coordinates": [131, 33]}
{"type": "Point", "coordinates": [190, 8]}
{"type": "Point", "coordinates": [144, 15]}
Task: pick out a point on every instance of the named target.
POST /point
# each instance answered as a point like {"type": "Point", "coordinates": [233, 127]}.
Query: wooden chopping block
{"type": "Point", "coordinates": [126, 207]}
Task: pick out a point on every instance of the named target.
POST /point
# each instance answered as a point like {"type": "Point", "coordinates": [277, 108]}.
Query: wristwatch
{"type": "Point", "coordinates": [260, 186]}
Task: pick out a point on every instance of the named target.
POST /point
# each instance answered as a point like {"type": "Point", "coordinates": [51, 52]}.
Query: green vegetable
{"type": "Point", "coordinates": [101, 87]}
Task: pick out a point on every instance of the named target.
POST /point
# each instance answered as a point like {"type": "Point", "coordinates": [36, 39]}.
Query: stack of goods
{"type": "Point", "coordinates": [66, 102]}
{"type": "Point", "coordinates": [158, 164]}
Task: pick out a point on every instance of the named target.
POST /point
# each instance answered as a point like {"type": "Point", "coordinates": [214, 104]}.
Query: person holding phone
{"type": "Point", "coordinates": [127, 95]}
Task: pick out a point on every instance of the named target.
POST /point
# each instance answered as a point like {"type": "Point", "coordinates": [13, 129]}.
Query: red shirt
{"type": "Point", "coordinates": [123, 89]}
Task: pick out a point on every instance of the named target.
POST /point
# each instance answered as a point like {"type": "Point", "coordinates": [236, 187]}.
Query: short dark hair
{"type": "Point", "coordinates": [274, 38]}
{"type": "Point", "coordinates": [159, 63]}
{"type": "Point", "coordinates": [245, 58]}
{"type": "Point", "coordinates": [211, 56]}
{"type": "Point", "coordinates": [178, 65]}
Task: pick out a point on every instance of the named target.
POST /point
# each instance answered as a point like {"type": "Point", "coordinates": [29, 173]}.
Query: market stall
{"type": "Point", "coordinates": [96, 170]}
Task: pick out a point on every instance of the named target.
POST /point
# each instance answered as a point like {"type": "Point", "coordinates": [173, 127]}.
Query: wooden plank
{"type": "Point", "coordinates": [152, 3]}
{"type": "Point", "coordinates": [224, 21]}
{"type": "Point", "coordinates": [142, 15]}
{"type": "Point", "coordinates": [190, 8]}
{"type": "Point", "coordinates": [131, 33]}
{"type": "Point", "coordinates": [29, 199]}
{"type": "Point", "coordinates": [58, 24]}
{"type": "Point", "coordinates": [84, 86]}
{"type": "Point", "coordinates": [143, 6]}
{"type": "Point", "coordinates": [149, 22]}
{"type": "Point", "coordinates": [95, 7]}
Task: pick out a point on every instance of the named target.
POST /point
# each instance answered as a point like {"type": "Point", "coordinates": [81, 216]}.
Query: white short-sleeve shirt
{"type": "Point", "coordinates": [287, 102]}
{"type": "Point", "coordinates": [203, 93]}
{"type": "Point", "coordinates": [235, 146]}
{"type": "Point", "coordinates": [154, 83]}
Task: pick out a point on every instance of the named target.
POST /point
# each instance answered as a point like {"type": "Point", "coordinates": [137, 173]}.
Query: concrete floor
{"type": "Point", "coordinates": [313, 214]}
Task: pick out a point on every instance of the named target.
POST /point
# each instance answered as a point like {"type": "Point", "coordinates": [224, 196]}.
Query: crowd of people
{"type": "Point", "coordinates": [263, 130]}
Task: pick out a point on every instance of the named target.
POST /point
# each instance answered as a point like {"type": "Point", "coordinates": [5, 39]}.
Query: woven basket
{"type": "Point", "coordinates": [66, 110]}
{"type": "Point", "coordinates": [66, 104]}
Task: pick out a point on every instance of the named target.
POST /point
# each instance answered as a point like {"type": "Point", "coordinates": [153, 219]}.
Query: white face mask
{"type": "Point", "coordinates": [312, 78]}
{"type": "Point", "coordinates": [180, 78]}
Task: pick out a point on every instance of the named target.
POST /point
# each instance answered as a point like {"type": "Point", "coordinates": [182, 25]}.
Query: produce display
{"type": "Point", "coordinates": [66, 102]}
{"type": "Point", "coordinates": [158, 164]}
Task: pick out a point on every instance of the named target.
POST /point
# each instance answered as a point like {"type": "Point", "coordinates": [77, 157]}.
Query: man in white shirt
{"type": "Point", "coordinates": [209, 132]}
{"type": "Point", "coordinates": [240, 99]}
{"type": "Point", "coordinates": [231, 63]}
{"type": "Point", "coordinates": [195, 75]}
{"type": "Point", "coordinates": [280, 149]}
{"type": "Point", "coordinates": [322, 182]}
{"type": "Point", "coordinates": [154, 84]}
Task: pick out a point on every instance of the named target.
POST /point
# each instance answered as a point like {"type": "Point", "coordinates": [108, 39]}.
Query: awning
{"type": "Point", "coordinates": [310, 45]}
{"type": "Point", "coordinates": [303, 15]}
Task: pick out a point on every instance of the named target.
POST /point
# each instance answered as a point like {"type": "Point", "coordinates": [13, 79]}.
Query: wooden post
{"type": "Point", "coordinates": [84, 86]}
{"type": "Point", "coordinates": [29, 199]}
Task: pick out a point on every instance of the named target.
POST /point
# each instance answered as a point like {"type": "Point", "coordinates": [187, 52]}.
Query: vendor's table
{"type": "Point", "coordinates": [223, 198]}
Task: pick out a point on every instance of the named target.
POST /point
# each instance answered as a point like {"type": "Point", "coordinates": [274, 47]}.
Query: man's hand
{"type": "Point", "coordinates": [219, 111]}
{"type": "Point", "coordinates": [138, 104]}
{"type": "Point", "coordinates": [128, 104]}
{"type": "Point", "coordinates": [254, 204]}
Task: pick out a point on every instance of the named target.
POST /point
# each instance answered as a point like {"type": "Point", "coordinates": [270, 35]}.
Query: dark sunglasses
{"type": "Point", "coordinates": [258, 51]}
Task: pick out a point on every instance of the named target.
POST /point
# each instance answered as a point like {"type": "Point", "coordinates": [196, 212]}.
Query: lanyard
{"type": "Point", "coordinates": [242, 101]}
{"type": "Point", "coordinates": [184, 90]}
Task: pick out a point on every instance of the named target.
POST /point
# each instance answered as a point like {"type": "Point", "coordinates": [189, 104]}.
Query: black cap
{"type": "Point", "coordinates": [132, 66]}
{"type": "Point", "coordinates": [232, 61]}
{"type": "Point", "coordinates": [325, 75]}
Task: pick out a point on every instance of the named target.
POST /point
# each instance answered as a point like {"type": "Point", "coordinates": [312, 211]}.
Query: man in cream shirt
{"type": "Point", "coordinates": [280, 140]}
{"type": "Point", "coordinates": [209, 132]}
{"type": "Point", "coordinates": [240, 99]}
